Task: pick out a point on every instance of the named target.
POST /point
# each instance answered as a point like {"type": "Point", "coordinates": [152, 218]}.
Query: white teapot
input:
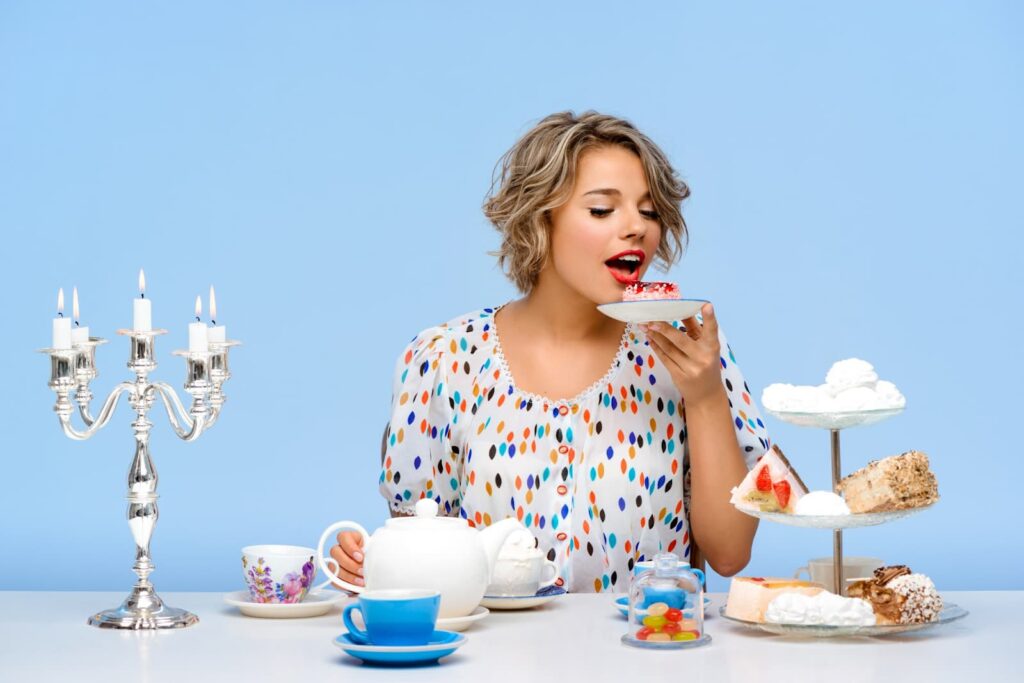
{"type": "Point", "coordinates": [426, 551]}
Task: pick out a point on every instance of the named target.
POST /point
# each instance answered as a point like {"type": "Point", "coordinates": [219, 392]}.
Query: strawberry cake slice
{"type": "Point", "coordinates": [771, 486]}
{"type": "Point", "coordinates": [650, 291]}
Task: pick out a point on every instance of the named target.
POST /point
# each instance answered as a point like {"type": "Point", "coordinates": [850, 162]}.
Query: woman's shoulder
{"type": "Point", "coordinates": [462, 333]}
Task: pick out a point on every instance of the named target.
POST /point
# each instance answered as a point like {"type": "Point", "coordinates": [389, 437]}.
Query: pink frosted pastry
{"type": "Point", "coordinates": [650, 291]}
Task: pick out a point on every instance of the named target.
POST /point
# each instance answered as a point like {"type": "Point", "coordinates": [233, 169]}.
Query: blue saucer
{"type": "Point", "coordinates": [441, 644]}
{"type": "Point", "coordinates": [622, 604]}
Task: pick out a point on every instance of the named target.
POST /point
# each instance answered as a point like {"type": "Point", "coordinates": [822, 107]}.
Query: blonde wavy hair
{"type": "Point", "coordinates": [538, 173]}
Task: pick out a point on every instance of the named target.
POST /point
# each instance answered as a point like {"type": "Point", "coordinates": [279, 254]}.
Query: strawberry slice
{"type": "Point", "coordinates": [764, 480]}
{"type": "Point", "coordinates": [782, 493]}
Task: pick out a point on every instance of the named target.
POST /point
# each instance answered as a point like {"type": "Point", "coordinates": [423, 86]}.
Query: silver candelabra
{"type": "Point", "coordinates": [71, 371]}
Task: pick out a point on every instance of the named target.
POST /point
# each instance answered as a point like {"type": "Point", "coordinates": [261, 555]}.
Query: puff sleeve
{"type": "Point", "coordinates": [746, 417]}
{"type": "Point", "coordinates": [419, 461]}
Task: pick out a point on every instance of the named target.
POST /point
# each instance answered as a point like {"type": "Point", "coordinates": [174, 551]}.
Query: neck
{"type": "Point", "coordinates": [554, 310]}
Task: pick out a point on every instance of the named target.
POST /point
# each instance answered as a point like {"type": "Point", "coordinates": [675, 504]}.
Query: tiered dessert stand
{"type": "Point", "coordinates": [835, 422]}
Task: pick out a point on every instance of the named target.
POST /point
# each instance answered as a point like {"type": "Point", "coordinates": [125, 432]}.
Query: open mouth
{"type": "Point", "coordinates": [625, 267]}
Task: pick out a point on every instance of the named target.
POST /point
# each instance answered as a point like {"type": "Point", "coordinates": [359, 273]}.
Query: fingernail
{"type": "Point", "coordinates": [643, 327]}
{"type": "Point", "coordinates": [360, 571]}
{"type": "Point", "coordinates": [359, 582]}
{"type": "Point", "coordinates": [357, 556]}
{"type": "Point", "coordinates": [655, 326]}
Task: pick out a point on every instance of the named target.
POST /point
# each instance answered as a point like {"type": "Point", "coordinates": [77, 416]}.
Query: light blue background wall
{"type": "Point", "coordinates": [856, 176]}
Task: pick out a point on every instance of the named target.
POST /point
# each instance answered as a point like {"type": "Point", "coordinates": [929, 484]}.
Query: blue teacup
{"type": "Point", "coordinates": [394, 617]}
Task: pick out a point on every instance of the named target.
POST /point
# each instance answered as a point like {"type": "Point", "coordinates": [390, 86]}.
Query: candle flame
{"type": "Point", "coordinates": [142, 283]}
{"type": "Point", "coordinates": [60, 302]}
{"type": "Point", "coordinates": [74, 304]}
{"type": "Point", "coordinates": [199, 308]}
{"type": "Point", "coordinates": [213, 306]}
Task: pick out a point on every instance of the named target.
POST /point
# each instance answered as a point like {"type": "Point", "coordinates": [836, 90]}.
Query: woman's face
{"type": "Point", "coordinates": [605, 236]}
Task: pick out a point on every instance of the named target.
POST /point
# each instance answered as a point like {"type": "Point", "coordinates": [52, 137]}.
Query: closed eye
{"type": "Point", "coordinates": [600, 213]}
{"type": "Point", "coordinates": [653, 215]}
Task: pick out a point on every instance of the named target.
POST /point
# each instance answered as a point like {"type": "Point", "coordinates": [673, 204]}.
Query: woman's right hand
{"type": "Point", "coordinates": [349, 556]}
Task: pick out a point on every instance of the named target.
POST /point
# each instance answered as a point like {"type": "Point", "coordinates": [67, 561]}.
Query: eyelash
{"type": "Point", "coordinates": [601, 213]}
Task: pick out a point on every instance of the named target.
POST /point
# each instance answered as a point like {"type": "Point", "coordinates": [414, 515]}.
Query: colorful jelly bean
{"type": "Point", "coordinates": [643, 633]}
{"type": "Point", "coordinates": [658, 609]}
{"type": "Point", "coordinates": [654, 622]}
{"type": "Point", "coordinates": [684, 635]}
{"type": "Point", "coordinates": [659, 638]}
{"type": "Point", "coordinates": [674, 615]}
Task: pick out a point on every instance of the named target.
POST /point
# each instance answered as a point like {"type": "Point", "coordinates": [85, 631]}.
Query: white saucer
{"type": "Point", "coordinates": [461, 623]}
{"type": "Point", "coordinates": [522, 601]}
{"type": "Point", "coordinates": [315, 604]}
{"type": "Point", "coordinates": [659, 310]}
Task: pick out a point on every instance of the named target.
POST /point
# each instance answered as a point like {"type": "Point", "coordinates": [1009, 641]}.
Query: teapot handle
{"type": "Point", "coordinates": [328, 533]}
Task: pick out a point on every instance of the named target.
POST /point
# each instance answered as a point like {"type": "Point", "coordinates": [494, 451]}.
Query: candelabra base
{"type": "Point", "coordinates": [143, 610]}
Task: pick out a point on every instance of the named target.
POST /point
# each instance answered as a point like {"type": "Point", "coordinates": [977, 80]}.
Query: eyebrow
{"type": "Point", "coordinates": [611, 191]}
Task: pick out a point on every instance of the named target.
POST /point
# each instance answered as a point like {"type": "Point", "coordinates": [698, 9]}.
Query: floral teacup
{"type": "Point", "coordinates": [279, 573]}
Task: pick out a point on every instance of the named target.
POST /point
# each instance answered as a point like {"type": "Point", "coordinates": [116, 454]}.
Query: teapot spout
{"type": "Point", "coordinates": [493, 538]}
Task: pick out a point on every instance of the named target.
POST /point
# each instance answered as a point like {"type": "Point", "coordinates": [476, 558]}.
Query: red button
{"type": "Point", "coordinates": [560, 582]}
{"type": "Point", "coordinates": [561, 536]}
{"type": "Point", "coordinates": [562, 490]}
{"type": "Point", "coordinates": [563, 448]}
{"type": "Point", "coordinates": [563, 410]}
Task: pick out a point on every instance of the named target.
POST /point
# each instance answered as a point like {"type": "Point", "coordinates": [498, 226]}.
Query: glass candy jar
{"type": "Point", "coordinates": [666, 607]}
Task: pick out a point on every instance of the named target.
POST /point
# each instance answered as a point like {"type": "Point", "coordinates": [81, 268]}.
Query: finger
{"type": "Point", "coordinates": [350, 569]}
{"type": "Point", "coordinates": [692, 328]}
{"type": "Point", "coordinates": [710, 320]}
{"type": "Point", "coordinates": [352, 544]}
{"type": "Point", "coordinates": [666, 357]}
{"type": "Point", "coordinates": [674, 337]}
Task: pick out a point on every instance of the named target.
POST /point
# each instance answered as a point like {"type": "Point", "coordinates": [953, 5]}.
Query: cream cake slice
{"type": "Point", "coordinates": [771, 486]}
{"type": "Point", "coordinates": [898, 482]}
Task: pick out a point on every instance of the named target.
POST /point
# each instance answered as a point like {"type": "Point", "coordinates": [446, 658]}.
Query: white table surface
{"type": "Point", "coordinates": [43, 636]}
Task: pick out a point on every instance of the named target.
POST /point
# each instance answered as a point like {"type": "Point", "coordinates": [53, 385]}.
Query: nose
{"type": "Point", "coordinates": [634, 228]}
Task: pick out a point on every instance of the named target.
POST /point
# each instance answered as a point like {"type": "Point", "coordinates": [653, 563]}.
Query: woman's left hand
{"type": "Point", "coordinates": [692, 357]}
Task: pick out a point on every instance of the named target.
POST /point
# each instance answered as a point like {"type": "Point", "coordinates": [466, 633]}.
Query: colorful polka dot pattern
{"type": "Point", "coordinates": [599, 479]}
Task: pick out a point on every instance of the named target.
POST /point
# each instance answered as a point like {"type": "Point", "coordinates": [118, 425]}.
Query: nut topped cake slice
{"type": "Point", "coordinates": [898, 482]}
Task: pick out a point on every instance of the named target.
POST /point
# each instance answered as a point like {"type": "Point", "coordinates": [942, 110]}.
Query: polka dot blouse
{"type": "Point", "coordinates": [600, 479]}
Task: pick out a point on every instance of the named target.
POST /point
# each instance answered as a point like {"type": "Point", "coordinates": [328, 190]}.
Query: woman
{"type": "Point", "coordinates": [581, 426]}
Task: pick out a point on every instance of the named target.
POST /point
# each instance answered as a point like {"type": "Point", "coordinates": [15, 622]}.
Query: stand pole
{"type": "Point", "coordinates": [837, 534]}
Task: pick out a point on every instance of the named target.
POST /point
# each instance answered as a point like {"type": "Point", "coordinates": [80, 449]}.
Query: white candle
{"type": "Point", "coordinates": [142, 318]}
{"type": "Point", "coordinates": [216, 333]}
{"type": "Point", "coordinates": [61, 325]}
{"type": "Point", "coordinates": [79, 334]}
{"type": "Point", "coordinates": [197, 331]}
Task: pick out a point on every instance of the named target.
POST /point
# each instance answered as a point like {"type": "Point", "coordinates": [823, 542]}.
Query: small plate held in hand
{"type": "Point", "coordinates": [652, 311]}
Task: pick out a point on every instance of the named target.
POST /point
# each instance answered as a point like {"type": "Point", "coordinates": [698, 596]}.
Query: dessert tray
{"type": "Point", "coordinates": [949, 614]}
{"type": "Point", "coordinates": [316, 603]}
{"type": "Point", "coordinates": [851, 521]}
{"type": "Point", "coordinates": [652, 310]}
{"type": "Point", "coordinates": [834, 420]}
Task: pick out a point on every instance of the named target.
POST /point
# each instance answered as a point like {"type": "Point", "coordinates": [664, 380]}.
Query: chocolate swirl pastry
{"type": "Point", "coordinates": [886, 574]}
{"type": "Point", "coordinates": [898, 596]}
{"type": "Point", "coordinates": [886, 603]}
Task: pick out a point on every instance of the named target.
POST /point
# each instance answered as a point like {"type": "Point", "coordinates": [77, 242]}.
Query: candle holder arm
{"type": "Point", "coordinates": [187, 424]}
{"type": "Point", "coordinates": [64, 410]}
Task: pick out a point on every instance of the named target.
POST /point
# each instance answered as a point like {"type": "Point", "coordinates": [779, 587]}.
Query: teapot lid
{"type": "Point", "coordinates": [426, 518]}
